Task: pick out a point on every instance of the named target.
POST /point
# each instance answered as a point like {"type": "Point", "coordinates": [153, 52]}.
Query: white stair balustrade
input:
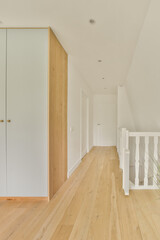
{"type": "Point", "coordinates": [142, 154]}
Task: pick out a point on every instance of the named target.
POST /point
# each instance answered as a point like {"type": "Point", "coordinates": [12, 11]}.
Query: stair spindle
{"type": "Point", "coordinates": [146, 163]}
{"type": "Point", "coordinates": [155, 162]}
{"type": "Point", "coordinates": [137, 162]}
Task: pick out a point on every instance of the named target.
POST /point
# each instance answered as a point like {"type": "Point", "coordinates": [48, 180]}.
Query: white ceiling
{"type": "Point", "coordinates": [112, 39]}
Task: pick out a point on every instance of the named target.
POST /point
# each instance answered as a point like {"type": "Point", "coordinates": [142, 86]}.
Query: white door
{"type": "Point", "coordinates": [2, 112]}
{"type": "Point", "coordinates": [27, 70]}
{"type": "Point", "coordinates": [84, 127]}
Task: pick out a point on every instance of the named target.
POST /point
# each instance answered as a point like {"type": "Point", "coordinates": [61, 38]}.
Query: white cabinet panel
{"type": "Point", "coordinates": [27, 70]}
{"type": "Point", "coordinates": [2, 112]}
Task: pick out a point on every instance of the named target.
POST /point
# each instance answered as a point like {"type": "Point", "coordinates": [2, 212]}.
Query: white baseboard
{"type": "Point", "coordinates": [90, 148]}
{"type": "Point", "coordinates": [71, 170]}
{"type": "Point", "coordinates": [84, 153]}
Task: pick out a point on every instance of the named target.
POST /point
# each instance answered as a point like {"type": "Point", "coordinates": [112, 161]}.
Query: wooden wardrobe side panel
{"type": "Point", "coordinates": [58, 65]}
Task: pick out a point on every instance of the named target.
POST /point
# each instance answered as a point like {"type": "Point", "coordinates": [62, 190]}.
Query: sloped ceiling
{"type": "Point", "coordinates": [112, 38]}
{"type": "Point", "coordinates": [143, 81]}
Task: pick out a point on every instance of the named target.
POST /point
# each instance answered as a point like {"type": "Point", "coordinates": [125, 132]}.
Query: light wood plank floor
{"type": "Point", "coordinates": [89, 206]}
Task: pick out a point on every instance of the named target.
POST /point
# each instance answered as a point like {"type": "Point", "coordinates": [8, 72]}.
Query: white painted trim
{"type": "Point", "coordinates": [90, 148]}
{"type": "Point", "coordinates": [71, 170]}
{"type": "Point", "coordinates": [144, 134]}
{"type": "Point", "coordinates": [83, 154]}
{"type": "Point", "coordinates": [142, 187]}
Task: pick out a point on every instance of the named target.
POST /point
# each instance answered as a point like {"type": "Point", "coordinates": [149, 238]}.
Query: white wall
{"type": "Point", "coordinates": [124, 112]}
{"type": "Point", "coordinates": [143, 84]}
{"type": "Point", "coordinates": [76, 84]}
{"type": "Point", "coordinates": [105, 107]}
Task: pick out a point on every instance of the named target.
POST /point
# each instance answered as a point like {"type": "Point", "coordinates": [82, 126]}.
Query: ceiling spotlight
{"type": "Point", "coordinates": [99, 60]}
{"type": "Point", "coordinates": [92, 21]}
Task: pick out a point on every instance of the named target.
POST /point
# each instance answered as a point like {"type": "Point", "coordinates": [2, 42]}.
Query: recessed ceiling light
{"type": "Point", "coordinates": [92, 21]}
{"type": "Point", "coordinates": [99, 60]}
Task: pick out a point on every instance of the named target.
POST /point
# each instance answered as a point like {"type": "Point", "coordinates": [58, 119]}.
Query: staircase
{"type": "Point", "coordinates": [139, 161]}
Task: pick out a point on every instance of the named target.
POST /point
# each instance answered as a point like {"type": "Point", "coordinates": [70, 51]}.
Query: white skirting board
{"type": "Point", "coordinates": [90, 148]}
{"type": "Point", "coordinates": [71, 170]}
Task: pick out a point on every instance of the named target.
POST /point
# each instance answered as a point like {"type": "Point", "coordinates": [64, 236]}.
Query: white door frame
{"type": "Point", "coordinates": [81, 95]}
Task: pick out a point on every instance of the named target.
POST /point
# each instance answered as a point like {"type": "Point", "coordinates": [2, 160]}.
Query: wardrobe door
{"type": "Point", "coordinates": [27, 87]}
{"type": "Point", "coordinates": [2, 112]}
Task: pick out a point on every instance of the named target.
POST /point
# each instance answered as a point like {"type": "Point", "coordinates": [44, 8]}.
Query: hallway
{"type": "Point", "coordinates": [90, 206]}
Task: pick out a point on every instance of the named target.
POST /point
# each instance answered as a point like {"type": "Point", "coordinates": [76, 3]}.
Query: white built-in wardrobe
{"type": "Point", "coordinates": [26, 160]}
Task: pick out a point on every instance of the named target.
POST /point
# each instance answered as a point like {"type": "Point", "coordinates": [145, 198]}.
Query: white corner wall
{"type": "Point", "coordinates": [143, 83]}
{"type": "Point", "coordinates": [105, 120]}
{"type": "Point", "coordinates": [124, 111]}
{"type": "Point", "coordinates": [76, 84]}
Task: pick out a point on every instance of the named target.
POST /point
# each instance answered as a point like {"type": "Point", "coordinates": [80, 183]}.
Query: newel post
{"type": "Point", "coordinates": [122, 147]}
{"type": "Point", "coordinates": [126, 172]}
{"type": "Point", "coordinates": [126, 157]}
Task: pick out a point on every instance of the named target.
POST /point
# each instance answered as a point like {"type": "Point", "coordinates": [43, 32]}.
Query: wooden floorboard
{"type": "Point", "coordinates": [90, 206]}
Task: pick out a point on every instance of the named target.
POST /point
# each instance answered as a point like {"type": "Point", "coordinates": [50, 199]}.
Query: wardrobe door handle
{"type": "Point", "coordinates": [8, 121]}
{"type": "Point", "coordinates": [1, 121]}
